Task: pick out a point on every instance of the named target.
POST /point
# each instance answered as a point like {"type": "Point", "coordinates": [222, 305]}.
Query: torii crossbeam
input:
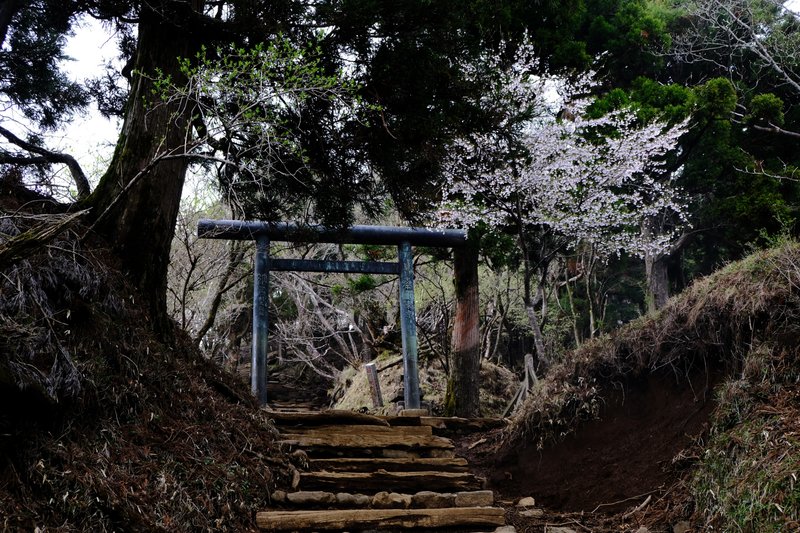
{"type": "Point", "coordinates": [403, 237]}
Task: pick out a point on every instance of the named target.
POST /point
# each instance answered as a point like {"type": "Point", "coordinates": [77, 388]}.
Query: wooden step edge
{"type": "Point", "coordinates": [366, 441]}
{"type": "Point", "coordinates": [347, 519]}
{"type": "Point", "coordinates": [379, 481]}
{"type": "Point", "coordinates": [358, 429]}
{"type": "Point", "coordinates": [326, 417]}
{"type": "Point", "coordinates": [442, 421]}
{"type": "Point", "coordinates": [386, 500]}
{"type": "Point", "coordinates": [370, 464]}
{"type": "Point", "coordinates": [329, 452]}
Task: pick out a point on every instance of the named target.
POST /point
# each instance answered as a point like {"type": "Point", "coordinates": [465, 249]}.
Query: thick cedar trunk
{"type": "Point", "coordinates": [137, 200]}
{"type": "Point", "coordinates": [464, 380]}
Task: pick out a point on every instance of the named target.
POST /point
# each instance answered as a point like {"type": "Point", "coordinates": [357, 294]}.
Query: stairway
{"type": "Point", "coordinates": [293, 399]}
{"type": "Point", "coordinates": [369, 473]}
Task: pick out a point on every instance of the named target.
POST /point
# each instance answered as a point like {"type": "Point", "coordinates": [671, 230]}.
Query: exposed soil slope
{"type": "Point", "coordinates": [672, 406]}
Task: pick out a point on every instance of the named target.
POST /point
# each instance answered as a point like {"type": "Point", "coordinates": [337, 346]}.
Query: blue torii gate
{"type": "Point", "coordinates": [403, 237]}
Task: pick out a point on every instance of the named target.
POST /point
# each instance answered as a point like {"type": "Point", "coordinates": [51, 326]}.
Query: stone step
{"type": "Point", "coordinates": [367, 472]}
{"type": "Point", "coordinates": [385, 500]}
{"type": "Point", "coordinates": [380, 480]}
{"type": "Point", "coordinates": [392, 519]}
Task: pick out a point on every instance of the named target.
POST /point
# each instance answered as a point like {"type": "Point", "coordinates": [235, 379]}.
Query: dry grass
{"type": "Point", "coordinates": [743, 323]}
{"type": "Point", "coordinates": [713, 323]}
{"type": "Point", "coordinates": [103, 427]}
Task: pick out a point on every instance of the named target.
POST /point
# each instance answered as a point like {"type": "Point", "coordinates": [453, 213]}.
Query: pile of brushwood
{"type": "Point", "coordinates": [690, 415]}
{"type": "Point", "coordinates": [103, 426]}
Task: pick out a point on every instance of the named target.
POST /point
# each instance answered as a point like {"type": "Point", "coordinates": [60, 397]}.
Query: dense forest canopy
{"type": "Point", "coordinates": [323, 110]}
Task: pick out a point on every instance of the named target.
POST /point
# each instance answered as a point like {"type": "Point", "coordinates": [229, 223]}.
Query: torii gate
{"type": "Point", "coordinates": [403, 237]}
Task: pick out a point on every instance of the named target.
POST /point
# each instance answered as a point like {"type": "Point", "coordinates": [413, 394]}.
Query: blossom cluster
{"type": "Point", "coordinates": [601, 180]}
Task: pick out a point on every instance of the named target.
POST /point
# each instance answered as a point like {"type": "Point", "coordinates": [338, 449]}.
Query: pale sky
{"type": "Point", "coordinates": [89, 138]}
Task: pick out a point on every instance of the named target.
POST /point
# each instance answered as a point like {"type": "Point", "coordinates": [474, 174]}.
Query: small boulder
{"type": "Point", "coordinates": [528, 501]}
{"type": "Point", "coordinates": [353, 500]}
{"type": "Point", "coordinates": [391, 500]}
{"type": "Point", "coordinates": [682, 527]}
{"type": "Point", "coordinates": [311, 497]}
{"type": "Point", "coordinates": [432, 500]}
{"type": "Point", "coordinates": [477, 498]}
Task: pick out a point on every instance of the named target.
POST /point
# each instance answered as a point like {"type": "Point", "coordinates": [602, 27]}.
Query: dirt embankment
{"type": "Point", "coordinates": [626, 453]}
{"type": "Point", "coordinates": [668, 411]}
{"type": "Point", "coordinates": [103, 426]}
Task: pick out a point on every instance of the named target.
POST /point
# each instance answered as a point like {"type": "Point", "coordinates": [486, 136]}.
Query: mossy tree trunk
{"type": "Point", "coordinates": [136, 202]}
{"type": "Point", "coordinates": [464, 383]}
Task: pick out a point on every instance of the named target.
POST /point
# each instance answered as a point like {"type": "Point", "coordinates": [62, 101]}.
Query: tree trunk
{"type": "Point", "coordinates": [538, 336]}
{"type": "Point", "coordinates": [136, 202]}
{"type": "Point", "coordinates": [657, 282]}
{"type": "Point", "coordinates": [464, 383]}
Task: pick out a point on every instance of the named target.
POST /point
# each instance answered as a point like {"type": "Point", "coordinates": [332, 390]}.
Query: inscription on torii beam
{"type": "Point", "coordinates": [403, 237]}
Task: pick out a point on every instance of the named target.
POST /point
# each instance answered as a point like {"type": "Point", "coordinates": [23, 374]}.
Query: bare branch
{"type": "Point", "coordinates": [46, 156]}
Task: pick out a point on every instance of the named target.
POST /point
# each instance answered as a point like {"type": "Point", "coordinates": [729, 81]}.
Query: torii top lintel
{"type": "Point", "coordinates": [293, 232]}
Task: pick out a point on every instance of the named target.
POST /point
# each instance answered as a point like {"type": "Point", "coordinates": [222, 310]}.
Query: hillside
{"type": "Point", "coordinates": [690, 415]}
{"type": "Point", "coordinates": [103, 427]}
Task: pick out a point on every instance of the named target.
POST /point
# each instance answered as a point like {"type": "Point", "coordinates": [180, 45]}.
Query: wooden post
{"type": "Point", "coordinates": [258, 371]}
{"type": "Point", "coordinates": [464, 383]}
{"type": "Point", "coordinates": [408, 327]}
{"type": "Point", "coordinates": [374, 385]}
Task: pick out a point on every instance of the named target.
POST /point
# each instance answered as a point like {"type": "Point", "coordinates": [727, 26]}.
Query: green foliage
{"type": "Point", "coordinates": [766, 109]}
{"type": "Point", "coordinates": [650, 99]}
{"type": "Point", "coordinates": [741, 486]}
{"type": "Point", "coordinates": [30, 76]}
{"type": "Point", "coordinates": [498, 248]}
{"type": "Point", "coordinates": [629, 33]}
{"type": "Point", "coordinates": [716, 99]}
{"type": "Point", "coordinates": [374, 252]}
{"type": "Point", "coordinates": [362, 283]}
{"type": "Point", "coordinates": [669, 102]}
{"type": "Point", "coordinates": [746, 479]}
{"type": "Point", "coordinates": [276, 123]}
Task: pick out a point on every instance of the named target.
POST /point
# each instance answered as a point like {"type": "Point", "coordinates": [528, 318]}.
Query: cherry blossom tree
{"type": "Point", "coordinates": [557, 179]}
